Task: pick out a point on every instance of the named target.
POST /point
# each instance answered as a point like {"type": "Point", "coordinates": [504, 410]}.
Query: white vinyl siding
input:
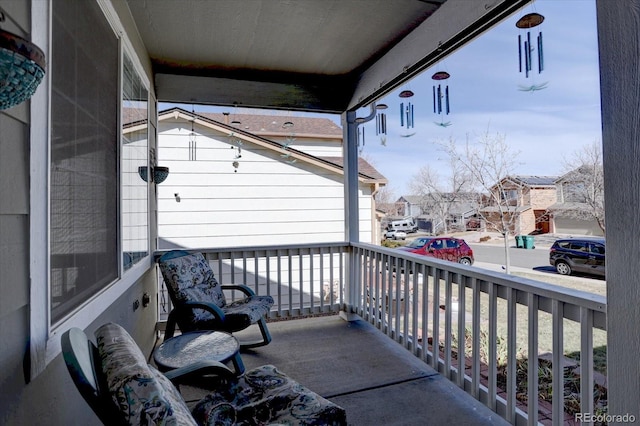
{"type": "Point", "coordinates": [266, 200]}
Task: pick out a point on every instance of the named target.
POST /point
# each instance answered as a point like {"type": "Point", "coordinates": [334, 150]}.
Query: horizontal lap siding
{"type": "Point", "coordinates": [267, 199]}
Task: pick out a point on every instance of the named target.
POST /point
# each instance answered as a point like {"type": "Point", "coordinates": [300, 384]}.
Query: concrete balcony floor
{"type": "Point", "coordinates": [376, 380]}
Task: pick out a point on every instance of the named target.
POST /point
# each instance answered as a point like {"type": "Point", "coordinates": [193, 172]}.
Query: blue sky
{"type": "Point", "coordinates": [545, 126]}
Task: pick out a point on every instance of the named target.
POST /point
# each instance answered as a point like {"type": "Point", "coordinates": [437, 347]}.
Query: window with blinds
{"type": "Point", "coordinates": [84, 181]}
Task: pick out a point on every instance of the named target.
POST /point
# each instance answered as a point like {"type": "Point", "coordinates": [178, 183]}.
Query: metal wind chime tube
{"type": "Point", "coordinates": [540, 53]}
{"type": "Point", "coordinates": [447, 98]}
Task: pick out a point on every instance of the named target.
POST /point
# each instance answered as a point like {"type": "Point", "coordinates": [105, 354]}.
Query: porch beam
{"type": "Point", "coordinates": [452, 26]}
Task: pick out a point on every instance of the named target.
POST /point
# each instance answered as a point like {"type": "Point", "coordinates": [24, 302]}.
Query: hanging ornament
{"type": "Point", "coordinates": [381, 119]}
{"type": "Point", "coordinates": [192, 137]}
{"type": "Point", "coordinates": [235, 165]}
{"type": "Point", "coordinates": [526, 48]}
{"type": "Point", "coordinates": [285, 146]}
{"type": "Point", "coordinates": [406, 112]}
{"type": "Point", "coordinates": [441, 97]}
{"type": "Point", "coordinates": [360, 140]}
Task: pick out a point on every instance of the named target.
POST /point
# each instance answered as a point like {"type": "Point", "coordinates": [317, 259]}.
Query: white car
{"type": "Point", "coordinates": [395, 235]}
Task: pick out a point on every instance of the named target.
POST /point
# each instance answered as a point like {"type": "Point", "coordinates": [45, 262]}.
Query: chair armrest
{"type": "Point", "coordinates": [197, 370]}
{"type": "Point", "coordinates": [185, 308]}
{"type": "Point", "coordinates": [243, 288]}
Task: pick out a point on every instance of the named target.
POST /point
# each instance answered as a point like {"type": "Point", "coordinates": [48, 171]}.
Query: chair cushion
{"type": "Point", "coordinates": [242, 313]}
{"type": "Point", "coordinates": [266, 396]}
{"type": "Point", "coordinates": [144, 395]}
{"type": "Point", "coordinates": [190, 278]}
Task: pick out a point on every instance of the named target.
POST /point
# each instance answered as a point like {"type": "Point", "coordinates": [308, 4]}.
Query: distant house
{"type": "Point", "coordinates": [427, 211]}
{"type": "Point", "coordinates": [255, 180]}
{"type": "Point", "coordinates": [410, 205]}
{"type": "Point", "coordinates": [528, 198]}
{"type": "Point", "coordinates": [577, 202]}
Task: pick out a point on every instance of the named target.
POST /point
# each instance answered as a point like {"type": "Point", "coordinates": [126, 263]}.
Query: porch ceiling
{"type": "Point", "coordinates": [316, 55]}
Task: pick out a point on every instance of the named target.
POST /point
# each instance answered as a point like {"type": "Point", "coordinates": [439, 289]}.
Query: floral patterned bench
{"type": "Point", "coordinates": [140, 394]}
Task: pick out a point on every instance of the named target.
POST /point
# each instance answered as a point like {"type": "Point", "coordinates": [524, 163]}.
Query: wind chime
{"type": "Point", "coordinates": [361, 138]}
{"type": "Point", "coordinates": [406, 113]}
{"type": "Point", "coordinates": [381, 123]}
{"type": "Point", "coordinates": [192, 138]}
{"type": "Point", "coordinates": [526, 49]}
{"type": "Point", "coordinates": [236, 146]}
{"type": "Point", "coordinates": [441, 104]}
{"type": "Point", "coordinates": [285, 146]}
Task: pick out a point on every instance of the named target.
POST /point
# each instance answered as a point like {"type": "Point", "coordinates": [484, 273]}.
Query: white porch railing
{"type": "Point", "coordinates": [432, 307]}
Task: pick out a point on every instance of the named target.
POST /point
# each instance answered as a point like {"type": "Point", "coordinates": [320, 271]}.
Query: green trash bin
{"type": "Point", "coordinates": [528, 242]}
{"type": "Point", "coordinates": [519, 242]}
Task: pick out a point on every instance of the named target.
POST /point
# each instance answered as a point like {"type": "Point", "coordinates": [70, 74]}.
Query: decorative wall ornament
{"type": "Point", "coordinates": [22, 66]}
{"type": "Point", "coordinates": [158, 174]}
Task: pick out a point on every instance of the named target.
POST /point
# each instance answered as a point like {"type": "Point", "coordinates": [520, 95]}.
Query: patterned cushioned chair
{"type": "Point", "coordinates": [122, 388]}
{"type": "Point", "coordinates": [199, 302]}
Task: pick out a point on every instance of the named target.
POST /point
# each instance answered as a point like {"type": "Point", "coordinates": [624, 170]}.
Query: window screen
{"type": "Point", "coordinates": [135, 213]}
{"type": "Point", "coordinates": [84, 151]}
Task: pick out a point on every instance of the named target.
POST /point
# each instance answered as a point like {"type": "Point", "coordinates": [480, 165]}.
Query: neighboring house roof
{"type": "Point", "coordinates": [576, 175]}
{"type": "Point", "coordinates": [367, 173]}
{"type": "Point", "coordinates": [532, 181]}
{"type": "Point", "coordinates": [411, 199]}
{"type": "Point", "coordinates": [363, 167]}
{"type": "Point", "coordinates": [279, 125]}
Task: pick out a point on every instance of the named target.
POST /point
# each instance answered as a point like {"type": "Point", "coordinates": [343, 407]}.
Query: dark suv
{"type": "Point", "coordinates": [578, 255]}
{"type": "Point", "coordinates": [446, 248]}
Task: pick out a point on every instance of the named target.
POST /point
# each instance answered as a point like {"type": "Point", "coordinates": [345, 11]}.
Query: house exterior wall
{"type": "Point", "coordinates": [542, 198]}
{"type": "Point", "coordinates": [14, 233]}
{"type": "Point", "coordinates": [50, 397]}
{"type": "Point", "coordinates": [527, 222]}
{"type": "Point", "coordinates": [265, 200]}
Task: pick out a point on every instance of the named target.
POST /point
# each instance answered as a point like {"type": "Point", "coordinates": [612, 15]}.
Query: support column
{"type": "Point", "coordinates": [351, 207]}
{"type": "Point", "coordinates": [619, 49]}
{"type": "Point", "coordinates": [350, 154]}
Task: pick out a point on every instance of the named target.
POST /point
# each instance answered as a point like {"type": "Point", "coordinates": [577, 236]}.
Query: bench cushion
{"type": "Point", "coordinates": [264, 394]}
{"type": "Point", "coordinates": [144, 395]}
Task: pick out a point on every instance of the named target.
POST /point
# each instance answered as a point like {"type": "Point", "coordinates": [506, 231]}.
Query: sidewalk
{"type": "Point", "coordinates": [540, 241]}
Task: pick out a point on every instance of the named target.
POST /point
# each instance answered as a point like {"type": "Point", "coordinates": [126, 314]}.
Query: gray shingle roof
{"type": "Point", "coordinates": [536, 180]}
{"type": "Point", "coordinates": [275, 124]}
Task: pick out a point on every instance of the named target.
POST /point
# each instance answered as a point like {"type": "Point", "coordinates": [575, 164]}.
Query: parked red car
{"type": "Point", "coordinates": [446, 248]}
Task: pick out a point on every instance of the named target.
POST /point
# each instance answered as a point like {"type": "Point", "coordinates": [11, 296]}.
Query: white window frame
{"type": "Point", "coordinates": [44, 337]}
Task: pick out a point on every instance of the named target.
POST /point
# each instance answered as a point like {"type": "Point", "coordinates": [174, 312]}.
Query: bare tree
{"type": "Point", "coordinates": [582, 186]}
{"type": "Point", "coordinates": [489, 161]}
{"type": "Point", "coordinates": [440, 192]}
